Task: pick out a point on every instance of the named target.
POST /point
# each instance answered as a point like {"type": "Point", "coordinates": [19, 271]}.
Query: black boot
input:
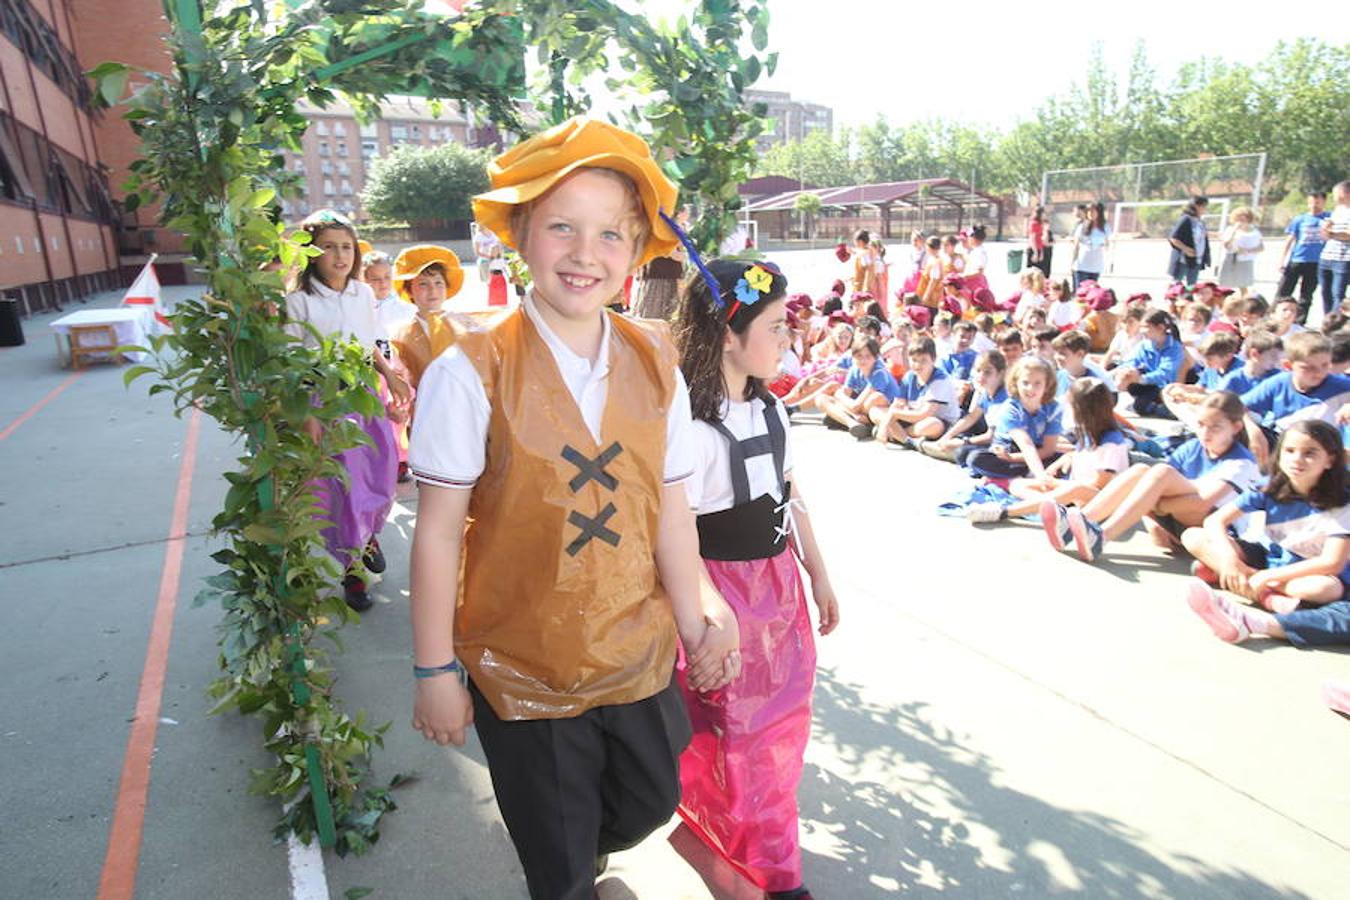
{"type": "Point", "coordinates": [354, 591]}
{"type": "Point", "coordinates": [374, 558]}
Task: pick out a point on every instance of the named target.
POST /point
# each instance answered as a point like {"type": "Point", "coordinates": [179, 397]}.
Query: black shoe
{"type": "Point", "coordinates": [833, 425]}
{"type": "Point", "coordinates": [601, 864]}
{"type": "Point", "coordinates": [404, 476]}
{"type": "Point", "coordinates": [354, 592]}
{"type": "Point", "coordinates": [374, 558]}
{"type": "Point", "coordinates": [861, 432]}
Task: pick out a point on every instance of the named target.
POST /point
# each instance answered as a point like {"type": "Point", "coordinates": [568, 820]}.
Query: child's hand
{"type": "Point", "coordinates": [826, 605]}
{"type": "Point", "coordinates": [442, 709]}
{"type": "Point", "coordinates": [400, 389]}
{"type": "Point", "coordinates": [1236, 580]}
{"type": "Point", "coordinates": [1263, 581]}
{"type": "Point", "coordinates": [716, 660]}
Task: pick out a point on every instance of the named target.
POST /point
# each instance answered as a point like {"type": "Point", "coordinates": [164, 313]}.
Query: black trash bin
{"type": "Point", "coordinates": [11, 326]}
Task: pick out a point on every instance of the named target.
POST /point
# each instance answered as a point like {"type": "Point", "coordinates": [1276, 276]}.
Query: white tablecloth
{"type": "Point", "coordinates": [130, 325]}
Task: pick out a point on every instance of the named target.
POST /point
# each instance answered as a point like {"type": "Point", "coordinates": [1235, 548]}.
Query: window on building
{"type": "Point", "coordinates": [398, 132]}
{"type": "Point", "coordinates": [370, 130]}
{"type": "Point", "coordinates": [369, 148]}
{"type": "Point", "coordinates": [328, 187]}
{"type": "Point", "coordinates": [344, 169]}
{"type": "Point", "coordinates": [323, 148]}
{"type": "Point", "coordinates": [339, 130]}
{"type": "Point", "coordinates": [326, 167]}
{"type": "Point", "coordinates": [321, 128]}
{"type": "Point", "coordinates": [346, 188]}
{"type": "Point", "coordinates": [300, 166]}
{"type": "Point", "coordinates": [417, 132]}
{"type": "Point", "coordinates": [14, 184]}
{"type": "Point", "coordinates": [342, 148]}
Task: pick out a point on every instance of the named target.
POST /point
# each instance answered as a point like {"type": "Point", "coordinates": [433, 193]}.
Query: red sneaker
{"type": "Point", "coordinates": [1205, 573]}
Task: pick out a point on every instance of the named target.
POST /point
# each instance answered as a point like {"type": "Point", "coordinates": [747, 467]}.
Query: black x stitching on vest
{"type": "Point", "coordinates": [592, 469]}
{"type": "Point", "coordinates": [592, 528]}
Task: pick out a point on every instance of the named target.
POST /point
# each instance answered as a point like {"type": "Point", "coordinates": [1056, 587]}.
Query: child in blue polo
{"type": "Point", "coordinates": [1309, 390]}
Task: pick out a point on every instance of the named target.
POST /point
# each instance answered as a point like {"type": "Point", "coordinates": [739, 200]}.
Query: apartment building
{"type": "Point", "coordinates": [791, 120]}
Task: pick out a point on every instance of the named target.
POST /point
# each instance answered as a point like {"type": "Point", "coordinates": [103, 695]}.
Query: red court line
{"type": "Point", "coordinates": [33, 410]}
{"type": "Point", "coordinates": [118, 881]}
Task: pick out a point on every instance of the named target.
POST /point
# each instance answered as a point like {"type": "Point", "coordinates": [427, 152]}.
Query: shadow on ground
{"type": "Point", "coordinates": [943, 825]}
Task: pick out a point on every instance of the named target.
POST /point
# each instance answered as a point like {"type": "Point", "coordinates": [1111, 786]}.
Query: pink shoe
{"type": "Point", "coordinates": [1217, 611]}
{"type": "Point", "coordinates": [1337, 696]}
{"type": "Point", "coordinates": [1205, 573]}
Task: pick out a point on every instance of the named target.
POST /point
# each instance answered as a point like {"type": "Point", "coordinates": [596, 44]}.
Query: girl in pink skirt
{"type": "Point", "coordinates": [740, 773]}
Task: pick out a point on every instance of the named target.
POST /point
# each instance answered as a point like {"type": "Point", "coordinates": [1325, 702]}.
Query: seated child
{"type": "Point", "coordinates": [1128, 336]}
{"type": "Point", "coordinates": [1168, 497]}
{"type": "Point", "coordinates": [959, 362]}
{"type": "Point", "coordinates": [1283, 318]}
{"type": "Point", "coordinates": [1194, 327]}
{"type": "Point", "coordinates": [1261, 354]}
{"type": "Point", "coordinates": [1229, 317]}
{"type": "Point", "coordinates": [1032, 285]}
{"type": "Point", "coordinates": [1026, 434]}
{"type": "Point", "coordinates": [1010, 345]}
{"type": "Point", "coordinates": [1101, 451]}
{"type": "Point", "coordinates": [1044, 343]}
{"type": "Point", "coordinates": [1302, 560]}
{"type": "Point", "coordinates": [975, 427]}
{"type": "Point", "coordinates": [1159, 361]}
{"type": "Point", "coordinates": [984, 334]}
{"type": "Point", "coordinates": [943, 338]}
{"type": "Point", "coordinates": [1101, 320]}
{"type": "Point", "coordinates": [1063, 310]}
{"type": "Point", "coordinates": [1219, 352]}
{"type": "Point", "coordinates": [1309, 390]}
{"type": "Point", "coordinates": [1070, 351]}
{"type": "Point", "coordinates": [1253, 311]}
{"type": "Point", "coordinates": [868, 386]}
{"type": "Point", "coordinates": [925, 404]}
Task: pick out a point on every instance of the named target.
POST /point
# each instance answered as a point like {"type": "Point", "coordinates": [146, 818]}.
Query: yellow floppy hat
{"type": "Point", "coordinates": [363, 247]}
{"type": "Point", "coordinates": [412, 261]}
{"type": "Point", "coordinates": [528, 170]}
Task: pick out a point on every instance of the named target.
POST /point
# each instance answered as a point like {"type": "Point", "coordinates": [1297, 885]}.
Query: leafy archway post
{"type": "Point", "coordinates": [212, 132]}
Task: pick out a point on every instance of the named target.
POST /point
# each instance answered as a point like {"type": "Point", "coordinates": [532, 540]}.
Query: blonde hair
{"type": "Point", "coordinates": [520, 214]}
{"type": "Point", "coordinates": [1239, 212]}
{"type": "Point", "coordinates": [1032, 361]}
{"type": "Point", "coordinates": [1036, 278]}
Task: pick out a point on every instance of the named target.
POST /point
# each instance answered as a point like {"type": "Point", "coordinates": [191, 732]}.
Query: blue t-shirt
{"type": "Point", "coordinates": [1211, 379]}
{"type": "Point", "coordinates": [880, 380]}
{"type": "Point", "coordinates": [1064, 381]}
{"type": "Point", "coordinates": [1239, 382]}
{"type": "Point", "coordinates": [958, 364]}
{"type": "Point", "coordinates": [1159, 366]}
{"type": "Point", "coordinates": [1237, 467]}
{"type": "Point", "coordinates": [1308, 239]}
{"type": "Point", "coordinates": [1295, 530]}
{"type": "Point", "coordinates": [940, 389]}
{"type": "Point", "coordinates": [1038, 425]}
{"type": "Point", "coordinates": [989, 405]}
{"type": "Point", "coordinates": [1278, 404]}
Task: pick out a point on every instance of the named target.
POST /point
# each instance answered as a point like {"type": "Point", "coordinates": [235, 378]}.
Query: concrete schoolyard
{"type": "Point", "coordinates": [992, 719]}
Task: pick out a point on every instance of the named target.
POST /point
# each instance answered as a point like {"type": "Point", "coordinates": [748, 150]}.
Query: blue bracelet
{"type": "Point", "coordinates": [432, 671]}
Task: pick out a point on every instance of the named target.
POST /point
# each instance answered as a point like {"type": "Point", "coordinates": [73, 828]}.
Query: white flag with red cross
{"type": "Point", "coordinates": [144, 291]}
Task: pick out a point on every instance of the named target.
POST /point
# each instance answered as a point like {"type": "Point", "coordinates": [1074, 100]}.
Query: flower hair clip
{"type": "Point", "coordinates": [756, 282]}
{"type": "Point", "coordinates": [752, 286]}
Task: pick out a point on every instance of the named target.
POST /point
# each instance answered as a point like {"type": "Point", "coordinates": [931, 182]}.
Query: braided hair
{"type": "Point", "coordinates": [700, 325]}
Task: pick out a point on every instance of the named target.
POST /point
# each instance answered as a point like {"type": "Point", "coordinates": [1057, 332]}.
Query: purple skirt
{"type": "Point", "coordinates": [356, 511]}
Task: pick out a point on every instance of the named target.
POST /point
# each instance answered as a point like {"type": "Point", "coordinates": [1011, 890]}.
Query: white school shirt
{"type": "Point", "coordinates": [709, 488]}
{"type": "Point", "coordinates": [349, 313]}
{"type": "Point", "coordinates": [449, 436]}
{"type": "Point", "coordinates": [392, 313]}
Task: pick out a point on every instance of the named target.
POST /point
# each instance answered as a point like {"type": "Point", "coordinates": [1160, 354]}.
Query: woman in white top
{"type": "Point", "coordinates": [1091, 238]}
{"type": "Point", "coordinates": [977, 260]}
{"type": "Point", "coordinates": [1242, 242]}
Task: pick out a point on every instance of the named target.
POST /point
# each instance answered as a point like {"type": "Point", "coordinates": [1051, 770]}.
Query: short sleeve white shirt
{"type": "Point", "coordinates": [709, 488]}
{"type": "Point", "coordinates": [449, 436]}
{"type": "Point", "coordinates": [392, 313]}
{"type": "Point", "coordinates": [347, 313]}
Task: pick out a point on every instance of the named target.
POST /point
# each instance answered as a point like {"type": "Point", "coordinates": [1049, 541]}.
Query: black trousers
{"type": "Point", "coordinates": [573, 789]}
{"type": "Point", "coordinates": [1295, 272]}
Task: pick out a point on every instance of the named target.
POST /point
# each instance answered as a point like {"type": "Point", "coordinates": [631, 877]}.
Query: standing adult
{"type": "Point", "coordinates": [486, 248]}
{"type": "Point", "coordinates": [660, 286]}
{"type": "Point", "coordinates": [1335, 259]}
{"type": "Point", "coordinates": [1091, 237]}
{"type": "Point", "coordinates": [1302, 249]}
{"type": "Point", "coordinates": [1039, 241]}
{"type": "Point", "coordinates": [1242, 244]}
{"type": "Point", "coordinates": [1190, 243]}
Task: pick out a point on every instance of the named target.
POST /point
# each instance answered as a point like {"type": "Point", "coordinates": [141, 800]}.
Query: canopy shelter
{"type": "Point", "coordinates": [931, 201]}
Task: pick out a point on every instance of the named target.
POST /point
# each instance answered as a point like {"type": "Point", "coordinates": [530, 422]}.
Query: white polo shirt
{"type": "Point", "coordinates": [349, 313]}
{"type": "Point", "coordinates": [449, 436]}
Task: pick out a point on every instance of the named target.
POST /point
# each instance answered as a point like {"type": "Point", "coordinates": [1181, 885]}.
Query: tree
{"type": "Point", "coordinates": [809, 206]}
{"type": "Point", "coordinates": [818, 159]}
{"type": "Point", "coordinates": [426, 186]}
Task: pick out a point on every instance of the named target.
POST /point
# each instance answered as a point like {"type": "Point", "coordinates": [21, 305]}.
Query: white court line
{"type": "Point", "coordinates": [308, 881]}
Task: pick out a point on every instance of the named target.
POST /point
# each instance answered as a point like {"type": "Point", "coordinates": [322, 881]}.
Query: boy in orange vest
{"type": "Point", "coordinates": [559, 433]}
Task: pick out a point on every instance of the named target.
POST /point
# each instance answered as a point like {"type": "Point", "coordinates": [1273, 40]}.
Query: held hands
{"type": "Point", "coordinates": [715, 660]}
{"type": "Point", "coordinates": [442, 709]}
{"type": "Point", "coordinates": [1263, 581]}
{"type": "Point", "coordinates": [400, 389]}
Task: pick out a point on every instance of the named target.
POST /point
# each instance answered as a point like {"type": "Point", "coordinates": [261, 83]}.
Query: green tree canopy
{"type": "Point", "coordinates": [426, 186]}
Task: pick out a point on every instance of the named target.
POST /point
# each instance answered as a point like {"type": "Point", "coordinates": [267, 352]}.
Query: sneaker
{"type": "Point", "coordinates": [833, 425]}
{"type": "Point", "coordinates": [374, 557]}
{"type": "Point", "coordinates": [1217, 612]}
{"type": "Point", "coordinates": [861, 432]}
{"type": "Point", "coordinates": [404, 476]}
{"type": "Point", "coordinates": [1087, 535]}
{"type": "Point", "coordinates": [1278, 603]}
{"type": "Point", "coordinates": [984, 513]}
{"type": "Point", "coordinates": [1055, 521]}
{"type": "Point", "coordinates": [354, 592]}
{"type": "Point", "coordinates": [1204, 573]}
{"type": "Point", "coordinates": [1336, 694]}
{"type": "Point", "coordinates": [800, 893]}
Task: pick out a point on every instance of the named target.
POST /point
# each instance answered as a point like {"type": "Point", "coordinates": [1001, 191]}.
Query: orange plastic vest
{"type": "Point", "coordinates": [560, 608]}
